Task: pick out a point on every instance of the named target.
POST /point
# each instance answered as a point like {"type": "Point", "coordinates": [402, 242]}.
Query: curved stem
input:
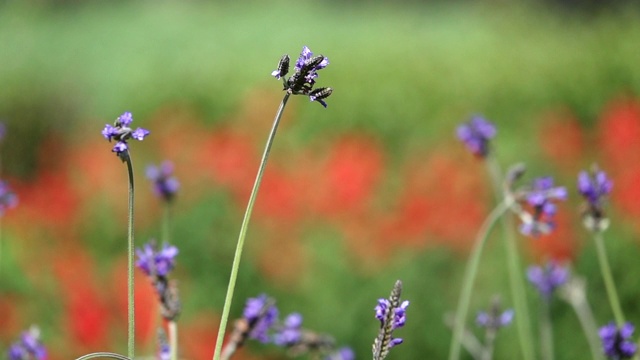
{"type": "Point", "coordinates": [173, 340]}
{"type": "Point", "coordinates": [130, 283]}
{"type": "Point", "coordinates": [608, 278]}
{"type": "Point", "coordinates": [108, 355]}
{"type": "Point", "coordinates": [546, 330]}
{"type": "Point", "coordinates": [469, 278]}
{"type": "Point", "coordinates": [243, 230]}
{"type": "Point", "coordinates": [523, 322]}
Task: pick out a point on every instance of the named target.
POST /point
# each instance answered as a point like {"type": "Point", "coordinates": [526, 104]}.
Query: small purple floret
{"type": "Point", "coordinates": [8, 198]}
{"type": "Point", "coordinates": [290, 333]}
{"type": "Point", "coordinates": [344, 353]}
{"type": "Point", "coordinates": [618, 344]}
{"type": "Point", "coordinates": [540, 197]}
{"type": "Point", "coordinates": [476, 134]}
{"type": "Point", "coordinates": [165, 185]}
{"type": "Point", "coordinates": [494, 321]}
{"type": "Point", "coordinates": [261, 316]}
{"type": "Point", "coordinates": [28, 347]}
{"type": "Point", "coordinates": [121, 133]}
{"type": "Point", "coordinates": [548, 278]}
{"type": "Point", "coordinates": [156, 263]}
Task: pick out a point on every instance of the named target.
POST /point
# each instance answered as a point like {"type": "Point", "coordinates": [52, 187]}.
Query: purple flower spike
{"type": "Point", "coordinates": [165, 185]}
{"type": "Point", "coordinates": [548, 278]}
{"type": "Point", "coordinates": [304, 78]}
{"type": "Point", "coordinates": [8, 198]}
{"type": "Point", "coordinates": [121, 133]}
{"type": "Point", "coordinates": [261, 315]}
{"type": "Point", "coordinates": [618, 343]}
{"type": "Point", "coordinates": [28, 347]}
{"type": "Point", "coordinates": [290, 334]}
{"type": "Point", "coordinates": [475, 134]}
{"type": "Point", "coordinates": [392, 315]}
{"type": "Point", "coordinates": [594, 186]}
{"type": "Point", "coordinates": [540, 197]}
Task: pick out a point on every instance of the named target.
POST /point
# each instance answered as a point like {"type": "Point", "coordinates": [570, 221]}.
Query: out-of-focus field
{"type": "Point", "coordinates": [372, 189]}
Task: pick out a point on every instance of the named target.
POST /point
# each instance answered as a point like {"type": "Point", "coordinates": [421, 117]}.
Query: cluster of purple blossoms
{"type": "Point", "coordinates": [165, 185]}
{"type": "Point", "coordinates": [28, 347]}
{"type": "Point", "coordinates": [260, 315]}
{"type": "Point", "coordinates": [304, 77]}
{"type": "Point", "coordinates": [548, 278]}
{"type": "Point", "coordinates": [121, 132]}
{"type": "Point", "coordinates": [344, 353]}
{"type": "Point", "coordinates": [157, 264]}
{"type": "Point", "coordinates": [617, 343]}
{"type": "Point", "coordinates": [290, 333]}
{"type": "Point", "coordinates": [494, 319]}
{"type": "Point", "coordinates": [8, 198]}
{"type": "Point", "coordinates": [540, 197]}
{"type": "Point", "coordinates": [594, 186]}
{"type": "Point", "coordinates": [392, 315]}
{"type": "Point", "coordinates": [475, 134]}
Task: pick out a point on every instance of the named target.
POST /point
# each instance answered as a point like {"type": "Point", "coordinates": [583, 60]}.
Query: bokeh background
{"type": "Point", "coordinates": [372, 189]}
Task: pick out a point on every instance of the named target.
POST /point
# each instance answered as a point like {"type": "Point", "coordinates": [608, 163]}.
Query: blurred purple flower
{"type": "Point", "coordinates": [594, 186]}
{"type": "Point", "coordinates": [28, 347]}
{"type": "Point", "coordinates": [261, 315]}
{"type": "Point", "coordinates": [476, 134]}
{"type": "Point", "coordinates": [344, 353]}
{"type": "Point", "coordinates": [541, 197]}
{"type": "Point", "coordinates": [290, 333]}
{"type": "Point", "coordinates": [548, 278]}
{"type": "Point", "coordinates": [156, 263]}
{"type": "Point", "coordinates": [618, 344]}
{"type": "Point", "coordinates": [121, 132]}
{"type": "Point", "coordinates": [8, 198]}
{"type": "Point", "coordinates": [494, 319]}
{"type": "Point", "coordinates": [165, 185]}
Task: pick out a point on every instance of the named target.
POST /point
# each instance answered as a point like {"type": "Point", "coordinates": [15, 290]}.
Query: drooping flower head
{"type": "Point", "coordinates": [594, 186]}
{"type": "Point", "coordinates": [121, 132]}
{"type": "Point", "coordinates": [548, 278]}
{"type": "Point", "coordinates": [304, 77]}
{"type": "Point", "coordinates": [291, 331]}
{"type": "Point", "coordinates": [539, 198]}
{"type": "Point", "coordinates": [8, 198]}
{"type": "Point", "coordinates": [28, 347]}
{"type": "Point", "coordinates": [475, 134]}
{"type": "Point", "coordinates": [392, 315]}
{"type": "Point", "coordinates": [165, 185]}
{"type": "Point", "coordinates": [617, 343]}
{"type": "Point", "coordinates": [260, 314]}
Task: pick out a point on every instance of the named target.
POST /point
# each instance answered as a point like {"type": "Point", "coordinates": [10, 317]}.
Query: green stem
{"type": "Point", "coordinates": [108, 355]}
{"type": "Point", "coordinates": [173, 340]}
{"type": "Point", "coordinates": [166, 219]}
{"type": "Point", "coordinates": [546, 330]}
{"type": "Point", "coordinates": [469, 278]}
{"type": "Point", "coordinates": [130, 283]}
{"type": "Point", "coordinates": [243, 230]}
{"type": "Point", "coordinates": [585, 316]}
{"type": "Point", "coordinates": [523, 322]}
{"type": "Point", "coordinates": [608, 278]}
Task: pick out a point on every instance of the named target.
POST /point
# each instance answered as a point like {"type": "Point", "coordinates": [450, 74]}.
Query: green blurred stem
{"type": "Point", "coordinates": [173, 339]}
{"type": "Point", "coordinates": [243, 230]}
{"type": "Point", "coordinates": [523, 322]}
{"type": "Point", "coordinates": [131, 315]}
{"type": "Point", "coordinates": [587, 322]}
{"type": "Point", "coordinates": [608, 278]}
{"type": "Point", "coordinates": [546, 330]}
{"type": "Point", "coordinates": [166, 220]}
{"type": "Point", "coordinates": [103, 355]}
{"type": "Point", "coordinates": [469, 277]}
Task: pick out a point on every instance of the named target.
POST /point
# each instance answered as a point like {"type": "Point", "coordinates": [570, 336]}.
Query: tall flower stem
{"type": "Point", "coordinates": [173, 339]}
{"type": "Point", "coordinates": [166, 220]}
{"type": "Point", "coordinates": [546, 330]}
{"type": "Point", "coordinates": [243, 229]}
{"type": "Point", "coordinates": [574, 294]}
{"type": "Point", "coordinates": [469, 278]}
{"type": "Point", "coordinates": [130, 296]}
{"type": "Point", "coordinates": [608, 278]}
{"type": "Point", "coordinates": [523, 322]}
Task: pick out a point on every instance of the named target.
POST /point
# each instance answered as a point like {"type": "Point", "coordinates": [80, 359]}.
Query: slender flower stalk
{"type": "Point", "coordinates": [492, 321]}
{"type": "Point", "coordinates": [469, 278]}
{"type": "Point", "coordinates": [121, 133]}
{"type": "Point", "coordinates": [173, 339]}
{"type": "Point", "coordinates": [612, 294]}
{"type": "Point", "coordinates": [546, 331]}
{"type": "Point", "coordinates": [300, 83]}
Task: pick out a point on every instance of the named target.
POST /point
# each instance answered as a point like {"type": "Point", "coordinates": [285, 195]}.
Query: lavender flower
{"type": "Point", "coordinates": [260, 315]}
{"type": "Point", "coordinates": [594, 186]}
{"type": "Point", "coordinates": [476, 134]}
{"type": "Point", "coordinates": [290, 334]}
{"type": "Point", "coordinates": [28, 347]}
{"type": "Point", "coordinates": [8, 198]}
{"type": "Point", "coordinates": [344, 353]}
{"type": "Point", "coordinates": [165, 185]}
{"type": "Point", "coordinates": [618, 343]}
{"type": "Point", "coordinates": [157, 264]}
{"type": "Point", "coordinates": [540, 197]}
{"type": "Point", "coordinates": [305, 75]}
{"type": "Point", "coordinates": [548, 278]}
{"type": "Point", "coordinates": [121, 132]}
{"type": "Point", "coordinates": [494, 319]}
{"type": "Point", "coordinates": [391, 313]}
